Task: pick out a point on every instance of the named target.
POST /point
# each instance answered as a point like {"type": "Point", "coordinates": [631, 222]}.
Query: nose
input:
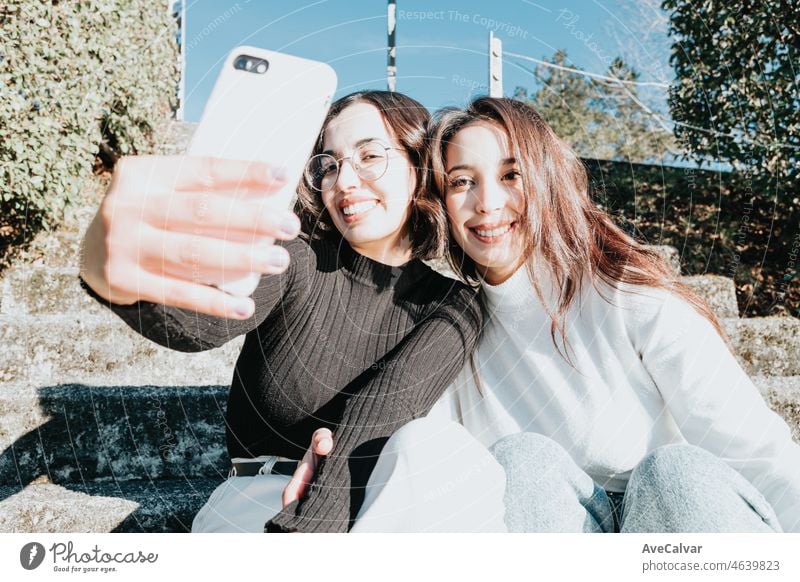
{"type": "Point", "coordinates": [348, 177]}
{"type": "Point", "coordinates": [489, 197]}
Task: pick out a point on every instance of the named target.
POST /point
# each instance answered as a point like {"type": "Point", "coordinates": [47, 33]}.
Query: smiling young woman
{"type": "Point", "coordinates": [632, 413]}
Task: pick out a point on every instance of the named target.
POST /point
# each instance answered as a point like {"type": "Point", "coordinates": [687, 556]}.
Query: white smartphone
{"type": "Point", "coordinates": [265, 106]}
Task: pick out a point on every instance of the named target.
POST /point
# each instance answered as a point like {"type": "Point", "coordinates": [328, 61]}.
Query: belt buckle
{"type": "Point", "coordinates": [267, 463]}
{"type": "Point", "coordinates": [266, 468]}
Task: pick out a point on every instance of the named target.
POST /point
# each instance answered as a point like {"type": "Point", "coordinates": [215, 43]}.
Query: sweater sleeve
{"type": "Point", "coordinates": [190, 331]}
{"type": "Point", "coordinates": [402, 386]}
{"type": "Point", "coordinates": [717, 406]}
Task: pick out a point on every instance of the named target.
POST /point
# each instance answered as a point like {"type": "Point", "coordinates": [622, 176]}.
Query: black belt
{"type": "Point", "coordinates": [253, 468]}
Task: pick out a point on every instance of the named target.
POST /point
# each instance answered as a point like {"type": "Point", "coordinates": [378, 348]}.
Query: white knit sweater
{"type": "Point", "coordinates": [650, 371]}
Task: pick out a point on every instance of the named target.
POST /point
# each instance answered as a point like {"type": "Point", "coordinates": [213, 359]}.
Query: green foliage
{"type": "Point", "coordinates": [599, 119]}
{"type": "Point", "coordinates": [736, 63]}
{"type": "Point", "coordinates": [717, 224]}
{"type": "Point", "coordinates": [77, 78]}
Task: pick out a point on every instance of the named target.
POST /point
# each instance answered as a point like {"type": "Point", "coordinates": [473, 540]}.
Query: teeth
{"type": "Point", "coordinates": [359, 207]}
{"type": "Point", "coordinates": [494, 232]}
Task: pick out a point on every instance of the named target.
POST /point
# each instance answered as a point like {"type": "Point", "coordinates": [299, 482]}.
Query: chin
{"type": "Point", "coordinates": [361, 235]}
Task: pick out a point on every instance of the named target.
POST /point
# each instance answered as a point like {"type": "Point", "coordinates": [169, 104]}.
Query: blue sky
{"type": "Point", "coordinates": [442, 46]}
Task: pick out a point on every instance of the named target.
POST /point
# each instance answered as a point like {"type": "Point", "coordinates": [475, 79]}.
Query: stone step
{"type": "Point", "coordinates": [64, 349]}
{"type": "Point", "coordinates": [45, 290]}
{"type": "Point", "coordinates": [53, 249]}
{"type": "Point", "coordinates": [782, 393]}
{"type": "Point", "coordinates": [766, 346]}
{"type": "Point", "coordinates": [76, 433]}
{"type": "Point", "coordinates": [71, 434]}
{"type": "Point", "coordinates": [97, 507]}
{"type": "Point", "coordinates": [719, 292]}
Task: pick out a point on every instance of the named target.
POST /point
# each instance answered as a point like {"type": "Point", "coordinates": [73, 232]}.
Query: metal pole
{"type": "Point", "coordinates": [391, 69]}
{"type": "Point", "coordinates": [182, 84]}
{"type": "Point", "coordinates": [495, 66]}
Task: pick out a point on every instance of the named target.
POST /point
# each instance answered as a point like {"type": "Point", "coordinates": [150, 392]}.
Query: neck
{"type": "Point", "coordinates": [497, 276]}
{"type": "Point", "coordinates": [394, 252]}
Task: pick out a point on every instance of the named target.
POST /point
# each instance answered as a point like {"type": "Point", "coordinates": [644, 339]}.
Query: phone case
{"type": "Point", "coordinates": [273, 116]}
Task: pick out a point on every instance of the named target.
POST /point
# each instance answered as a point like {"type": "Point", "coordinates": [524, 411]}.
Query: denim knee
{"type": "Point", "coordinates": [685, 488]}
{"type": "Point", "coordinates": [537, 460]}
{"type": "Point", "coordinates": [676, 466]}
{"type": "Point", "coordinates": [546, 491]}
{"type": "Point", "coordinates": [534, 453]}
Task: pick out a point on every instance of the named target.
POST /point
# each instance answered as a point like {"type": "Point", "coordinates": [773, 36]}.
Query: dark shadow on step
{"type": "Point", "coordinates": [161, 447]}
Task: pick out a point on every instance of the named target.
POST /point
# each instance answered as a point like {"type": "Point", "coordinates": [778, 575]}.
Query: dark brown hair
{"type": "Point", "coordinates": [560, 222]}
{"type": "Point", "coordinates": [408, 120]}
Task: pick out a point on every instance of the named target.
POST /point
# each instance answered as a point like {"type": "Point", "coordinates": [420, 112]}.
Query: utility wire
{"type": "Point", "coordinates": [662, 121]}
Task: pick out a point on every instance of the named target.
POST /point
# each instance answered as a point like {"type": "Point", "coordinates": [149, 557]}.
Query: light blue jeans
{"type": "Point", "coordinates": [675, 488]}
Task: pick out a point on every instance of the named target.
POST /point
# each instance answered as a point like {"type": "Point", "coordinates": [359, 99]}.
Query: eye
{"type": "Point", "coordinates": [328, 168]}
{"type": "Point", "coordinates": [460, 183]}
{"type": "Point", "coordinates": [511, 176]}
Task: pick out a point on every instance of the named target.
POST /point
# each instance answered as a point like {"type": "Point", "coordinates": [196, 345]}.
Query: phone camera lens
{"type": "Point", "coordinates": [261, 68]}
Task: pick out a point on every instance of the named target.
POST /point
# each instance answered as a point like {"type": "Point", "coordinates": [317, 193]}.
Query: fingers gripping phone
{"type": "Point", "coordinates": [265, 106]}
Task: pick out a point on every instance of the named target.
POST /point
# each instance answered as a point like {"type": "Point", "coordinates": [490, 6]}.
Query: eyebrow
{"type": "Point", "coordinates": [359, 143]}
{"type": "Point", "coordinates": [505, 162]}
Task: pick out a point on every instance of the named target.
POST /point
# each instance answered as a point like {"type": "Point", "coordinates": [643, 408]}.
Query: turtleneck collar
{"type": "Point", "coordinates": [517, 293]}
{"type": "Point", "coordinates": [374, 273]}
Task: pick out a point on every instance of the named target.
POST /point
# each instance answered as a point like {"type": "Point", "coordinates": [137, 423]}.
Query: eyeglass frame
{"type": "Point", "coordinates": [354, 166]}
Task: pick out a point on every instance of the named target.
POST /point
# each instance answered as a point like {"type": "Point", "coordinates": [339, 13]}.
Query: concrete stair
{"type": "Point", "coordinates": [102, 430]}
{"type": "Point", "coordinates": [164, 505]}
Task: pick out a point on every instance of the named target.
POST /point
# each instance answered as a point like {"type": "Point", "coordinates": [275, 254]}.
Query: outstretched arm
{"type": "Point", "coordinates": [406, 384]}
{"type": "Point", "coordinates": [192, 331]}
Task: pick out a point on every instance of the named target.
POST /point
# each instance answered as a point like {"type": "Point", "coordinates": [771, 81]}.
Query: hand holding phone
{"type": "Point", "coordinates": [171, 226]}
{"type": "Point", "coordinates": [265, 106]}
{"type": "Point", "coordinates": [150, 241]}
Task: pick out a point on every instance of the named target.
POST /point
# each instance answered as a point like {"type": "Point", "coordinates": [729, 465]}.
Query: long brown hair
{"type": "Point", "coordinates": [560, 223]}
{"type": "Point", "coordinates": [408, 120]}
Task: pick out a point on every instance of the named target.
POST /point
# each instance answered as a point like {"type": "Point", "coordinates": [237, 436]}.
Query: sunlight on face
{"type": "Point", "coordinates": [485, 200]}
{"type": "Point", "coordinates": [372, 215]}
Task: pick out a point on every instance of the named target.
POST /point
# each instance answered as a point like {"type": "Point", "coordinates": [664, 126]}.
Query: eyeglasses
{"type": "Point", "coordinates": [369, 160]}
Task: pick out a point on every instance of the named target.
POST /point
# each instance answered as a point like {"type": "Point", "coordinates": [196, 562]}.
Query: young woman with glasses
{"type": "Point", "coordinates": [337, 331]}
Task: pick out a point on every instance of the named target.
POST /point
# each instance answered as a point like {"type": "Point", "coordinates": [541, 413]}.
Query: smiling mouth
{"type": "Point", "coordinates": [493, 235]}
{"type": "Point", "coordinates": [354, 212]}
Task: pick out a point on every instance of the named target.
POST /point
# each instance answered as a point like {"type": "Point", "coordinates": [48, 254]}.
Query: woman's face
{"type": "Point", "coordinates": [485, 199]}
{"type": "Point", "coordinates": [372, 215]}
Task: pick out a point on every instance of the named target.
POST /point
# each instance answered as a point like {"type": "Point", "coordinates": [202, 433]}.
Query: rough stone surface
{"type": "Point", "coordinates": [177, 138]}
{"type": "Point", "coordinates": [39, 290]}
{"type": "Point", "coordinates": [766, 346]}
{"type": "Point", "coordinates": [718, 292]}
{"type": "Point", "coordinates": [783, 395]}
{"type": "Point", "coordinates": [75, 349]}
{"type": "Point", "coordinates": [80, 433]}
{"type": "Point", "coordinates": [131, 506]}
{"type": "Point", "coordinates": [54, 249]}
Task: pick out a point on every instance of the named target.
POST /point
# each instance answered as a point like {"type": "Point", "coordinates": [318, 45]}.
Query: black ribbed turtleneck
{"type": "Point", "coordinates": [340, 341]}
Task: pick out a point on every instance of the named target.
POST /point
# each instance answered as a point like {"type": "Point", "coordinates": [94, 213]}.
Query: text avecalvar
{"type": "Point", "coordinates": [671, 549]}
